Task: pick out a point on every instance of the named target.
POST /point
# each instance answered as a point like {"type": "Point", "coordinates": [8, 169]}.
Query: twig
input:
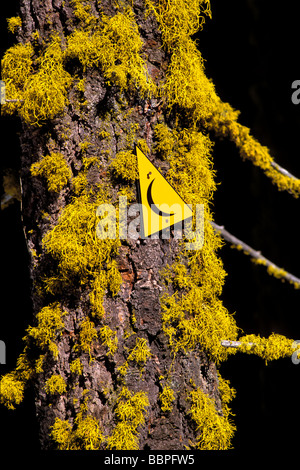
{"type": "Point", "coordinates": [283, 171]}
{"type": "Point", "coordinates": [272, 268]}
{"type": "Point", "coordinates": [14, 101]}
{"type": "Point", "coordinates": [234, 344]}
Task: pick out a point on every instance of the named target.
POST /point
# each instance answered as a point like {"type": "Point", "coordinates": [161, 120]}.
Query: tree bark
{"type": "Point", "coordinates": [135, 312]}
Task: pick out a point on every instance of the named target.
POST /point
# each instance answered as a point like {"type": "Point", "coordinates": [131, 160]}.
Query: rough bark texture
{"type": "Point", "coordinates": [139, 261]}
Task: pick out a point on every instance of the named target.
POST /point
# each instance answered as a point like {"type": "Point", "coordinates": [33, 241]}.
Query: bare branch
{"type": "Point", "coordinates": [257, 257]}
{"type": "Point", "coordinates": [283, 171]}
{"type": "Point", "coordinates": [234, 344]}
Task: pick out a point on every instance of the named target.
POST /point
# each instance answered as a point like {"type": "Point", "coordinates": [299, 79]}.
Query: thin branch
{"type": "Point", "coordinates": [233, 344]}
{"type": "Point", "coordinates": [283, 171]}
{"type": "Point", "coordinates": [257, 257]}
{"type": "Point", "coordinates": [14, 101]}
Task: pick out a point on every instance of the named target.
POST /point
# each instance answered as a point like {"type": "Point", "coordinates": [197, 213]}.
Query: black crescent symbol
{"type": "Point", "coordinates": [153, 206]}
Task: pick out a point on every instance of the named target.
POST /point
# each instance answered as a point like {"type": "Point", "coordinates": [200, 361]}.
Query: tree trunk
{"type": "Point", "coordinates": [96, 372]}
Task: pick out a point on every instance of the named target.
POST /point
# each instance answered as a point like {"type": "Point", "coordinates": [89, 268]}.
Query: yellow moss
{"type": "Point", "coordinates": [84, 146]}
{"type": "Point", "coordinates": [109, 339]}
{"type": "Point", "coordinates": [215, 431]}
{"type": "Point", "coordinates": [83, 13]}
{"type": "Point", "coordinates": [85, 436]}
{"type": "Point", "coordinates": [130, 414]}
{"type": "Point", "coordinates": [179, 18]}
{"type": "Point", "coordinates": [11, 390]}
{"type": "Point", "coordinates": [74, 243]}
{"type": "Point", "coordinates": [88, 433]}
{"type": "Point", "coordinates": [139, 354]}
{"type": "Point", "coordinates": [99, 285]}
{"type": "Point", "coordinates": [115, 46]}
{"type": "Point", "coordinates": [79, 183]}
{"type": "Point", "coordinates": [224, 124]}
{"type": "Point", "coordinates": [165, 139]}
{"type": "Point", "coordinates": [76, 367]}
{"type": "Point", "coordinates": [193, 315]}
{"type": "Point", "coordinates": [272, 348]}
{"type": "Point", "coordinates": [227, 393]}
{"type": "Point", "coordinates": [114, 278]}
{"type": "Point", "coordinates": [55, 385]}
{"type": "Point", "coordinates": [49, 324]}
{"type": "Point", "coordinates": [87, 335]}
{"type": "Point", "coordinates": [79, 252]}
{"type": "Point", "coordinates": [186, 83]}
{"type": "Point", "coordinates": [14, 23]}
{"type": "Point", "coordinates": [279, 273]}
{"type": "Point", "coordinates": [35, 36]}
{"type": "Point", "coordinates": [54, 169]}
{"type": "Point", "coordinates": [45, 93]}
{"type": "Point", "coordinates": [124, 165]}
{"type": "Point", "coordinates": [166, 398]}
{"type": "Point", "coordinates": [61, 434]}
{"type": "Point", "coordinates": [16, 68]}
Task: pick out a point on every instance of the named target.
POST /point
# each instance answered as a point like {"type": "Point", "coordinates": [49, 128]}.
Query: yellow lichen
{"type": "Point", "coordinates": [139, 354]}
{"type": "Point", "coordinates": [11, 390]}
{"type": "Point", "coordinates": [54, 169]}
{"type": "Point", "coordinates": [130, 413]}
{"type": "Point", "coordinates": [179, 18]}
{"type": "Point", "coordinates": [76, 366]}
{"type": "Point", "coordinates": [55, 385]}
{"type": "Point", "coordinates": [49, 325]}
{"type": "Point", "coordinates": [14, 23]}
{"type": "Point", "coordinates": [194, 315]}
{"type": "Point", "coordinates": [113, 278]}
{"type": "Point", "coordinates": [99, 286]}
{"type": "Point", "coordinates": [224, 123]}
{"type": "Point", "coordinates": [166, 398]}
{"type": "Point", "coordinates": [61, 433]}
{"type": "Point", "coordinates": [88, 434]}
{"type": "Point", "coordinates": [40, 94]}
{"type": "Point", "coordinates": [87, 335]}
{"type": "Point", "coordinates": [272, 348]}
{"type": "Point", "coordinates": [45, 94]}
{"type": "Point", "coordinates": [16, 68]}
{"type": "Point", "coordinates": [109, 339]}
{"type": "Point", "coordinates": [83, 13]}
{"type": "Point", "coordinates": [85, 435]}
{"type": "Point", "coordinates": [116, 47]}
{"type": "Point", "coordinates": [124, 165]}
{"type": "Point", "coordinates": [186, 83]}
{"type": "Point", "coordinates": [73, 241]}
{"type": "Point", "coordinates": [215, 431]}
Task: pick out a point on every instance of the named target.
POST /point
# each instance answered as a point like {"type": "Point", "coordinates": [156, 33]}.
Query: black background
{"type": "Point", "coordinates": [251, 53]}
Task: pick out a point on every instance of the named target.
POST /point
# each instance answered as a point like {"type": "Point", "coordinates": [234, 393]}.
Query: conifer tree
{"type": "Point", "coordinates": [127, 335]}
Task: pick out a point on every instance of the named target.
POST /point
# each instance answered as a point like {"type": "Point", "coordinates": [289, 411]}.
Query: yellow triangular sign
{"type": "Point", "coordinates": [161, 205]}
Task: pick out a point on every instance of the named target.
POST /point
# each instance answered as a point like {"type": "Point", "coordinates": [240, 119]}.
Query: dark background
{"type": "Point", "coordinates": [250, 48]}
